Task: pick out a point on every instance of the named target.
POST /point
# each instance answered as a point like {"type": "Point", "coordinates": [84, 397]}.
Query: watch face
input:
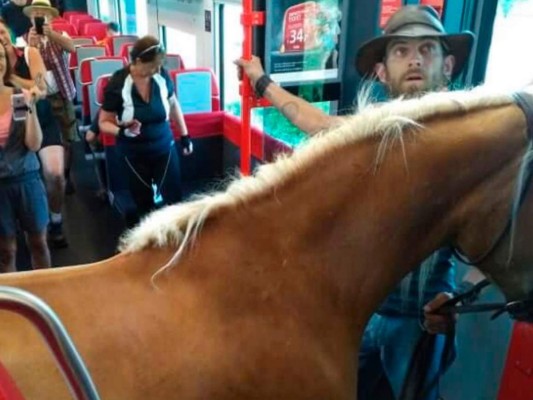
{"type": "Point", "coordinates": [300, 28]}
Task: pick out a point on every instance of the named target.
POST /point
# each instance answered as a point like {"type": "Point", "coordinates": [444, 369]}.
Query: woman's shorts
{"type": "Point", "coordinates": [49, 125]}
{"type": "Point", "coordinates": [23, 200]}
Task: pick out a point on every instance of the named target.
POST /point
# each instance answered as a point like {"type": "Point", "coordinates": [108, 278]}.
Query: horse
{"type": "Point", "coordinates": [263, 290]}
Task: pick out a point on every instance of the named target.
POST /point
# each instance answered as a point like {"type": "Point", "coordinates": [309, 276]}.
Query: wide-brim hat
{"type": "Point", "coordinates": [43, 5]}
{"type": "Point", "coordinates": [414, 22]}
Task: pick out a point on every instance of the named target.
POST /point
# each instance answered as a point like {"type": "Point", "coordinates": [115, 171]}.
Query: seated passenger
{"type": "Point", "coordinates": [22, 195]}
{"type": "Point", "coordinates": [112, 30]}
{"type": "Point", "coordinates": [138, 102]}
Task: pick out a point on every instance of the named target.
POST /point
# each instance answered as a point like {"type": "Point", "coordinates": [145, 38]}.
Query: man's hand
{"type": "Point", "coordinates": [33, 37]}
{"type": "Point", "coordinates": [438, 323]}
{"type": "Point", "coordinates": [47, 31]}
{"type": "Point", "coordinates": [252, 68]}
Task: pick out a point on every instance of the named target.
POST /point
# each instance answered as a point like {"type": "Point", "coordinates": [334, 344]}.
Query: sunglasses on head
{"type": "Point", "coordinates": [156, 48]}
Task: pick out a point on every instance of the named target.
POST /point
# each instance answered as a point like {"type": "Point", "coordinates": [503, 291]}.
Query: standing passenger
{"type": "Point", "coordinates": [22, 195]}
{"type": "Point", "coordinates": [138, 102]}
{"type": "Point", "coordinates": [27, 68]}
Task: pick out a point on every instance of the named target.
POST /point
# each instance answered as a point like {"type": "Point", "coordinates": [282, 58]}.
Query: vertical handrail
{"type": "Point", "coordinates": [246, 100]}
{"type": "Point", "coordinates": [55, 335]}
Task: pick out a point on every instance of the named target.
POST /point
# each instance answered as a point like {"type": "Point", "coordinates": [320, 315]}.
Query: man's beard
{"type": "Point", "coordinates": [402, 87]}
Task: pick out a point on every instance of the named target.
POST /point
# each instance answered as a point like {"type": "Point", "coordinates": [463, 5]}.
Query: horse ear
{"type": "Point", "coordinates": [449, 64]}
{"type": "Point", "coordinates": [381, 72]}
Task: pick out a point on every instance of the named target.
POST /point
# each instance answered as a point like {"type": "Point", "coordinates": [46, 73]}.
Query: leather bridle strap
{"type": "Point", "coordinates": [525, 102]}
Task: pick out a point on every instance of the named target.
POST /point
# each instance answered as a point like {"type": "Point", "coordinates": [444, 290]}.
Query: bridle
{"type": "Point", "coordinates": [521, 310]}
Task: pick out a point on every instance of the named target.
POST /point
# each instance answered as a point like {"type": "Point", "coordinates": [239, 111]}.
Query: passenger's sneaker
{"type": "Point", "coordinates": [56, 238]}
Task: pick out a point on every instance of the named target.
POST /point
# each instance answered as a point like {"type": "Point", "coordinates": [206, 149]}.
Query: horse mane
{"type": "Point", "coordinates": [178, 225]}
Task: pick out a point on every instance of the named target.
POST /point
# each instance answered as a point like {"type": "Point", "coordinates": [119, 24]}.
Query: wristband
{"type": "Point", "coordinates": [261, 85]}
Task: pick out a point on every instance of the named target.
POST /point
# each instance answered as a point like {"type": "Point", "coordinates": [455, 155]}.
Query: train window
{"type": "Point", "coordinates": [104, 10]}
{"type": "Point", "coordinates": [182, 43]}
{"type": "Point", "coordinates": [513, 23]}
{"type": "Point", "coordinates": [141, 14]}
{"type": "Point", "coordinates": [230, 48]}
{"type": "Point", "coordinates": [127, 16]}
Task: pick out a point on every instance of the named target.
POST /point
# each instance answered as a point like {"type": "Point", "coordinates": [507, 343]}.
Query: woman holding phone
{"type": "Point", "coordinates": [28, 69]}
{"type": "Point", "coordinates": [139, 102]}
{"type": "Point", "coordinates": [22, 195]}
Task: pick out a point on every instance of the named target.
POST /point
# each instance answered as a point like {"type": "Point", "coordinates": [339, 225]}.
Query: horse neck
{"type": "Point", "coordinates": [356, 230]}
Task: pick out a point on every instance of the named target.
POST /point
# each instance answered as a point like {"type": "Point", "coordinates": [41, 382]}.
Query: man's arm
{"type": "Point", "coordinates": [65, 42]}
{"type": "Point", "coordinates": [299, 112]}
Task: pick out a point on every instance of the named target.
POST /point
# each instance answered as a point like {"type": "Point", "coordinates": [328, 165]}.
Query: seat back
{"type": "Point", "coordinates": [85, 22]}
{"type": "Point", "coordinates": [96, 29]}
{"type": "Point", "coordinates": [173, 61]}
{"type": "Point", "coordinates": [125, 50]}
{"type": "Point", "coordinates": [101, 83]}
{"type": "Point", "coordinates": [115, 43]}
{"type": "Point", "coordinates": [196, 89]}
{"type": "Point", "coordinates": [81, 40]}
{"type": "Point", "coordinates": [76, 18]}
{"type": "Point", "coordinates": [68, 14]}
{"type": "Point", "coordinates": [83, 52]}
{"type": "Point", "coordinates": [90, 70]}
{"type": "Point", "coordinates": [66, 27]}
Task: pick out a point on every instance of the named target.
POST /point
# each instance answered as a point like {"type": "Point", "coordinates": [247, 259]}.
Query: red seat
{"type": "Point", "coordinates": [8, 387]}
{"type": "Point", "coordinates": [96, 29]}
{"type": "Point", "coordinates": [90, 70]}
{"type": "Point", "coordinates": [66, 27]}
{"type": "Point", "coordinates": [115, 43]}
{"type": "Point", "coordinates": [76, 18]}
{"type": "Point", "coordinates": [84, 22]}
{"type": "Point", "coordinates": [79, 40]}
{"type": "Point", "coordinates": [215, 92]}
{"type": "Point", "coordinates": [517, 377]}
{"type": "Point", "coordinates": [97, 49]}
{"type": "Point", "coordinates": [68, 14]}
{"type": "Point", "coordinates": [125, 50]}
{"type": "Point", "coordinates": [173, 61]}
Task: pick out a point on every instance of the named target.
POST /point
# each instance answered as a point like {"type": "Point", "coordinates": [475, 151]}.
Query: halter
{"type": "Point", "coordinates": [521, 310]}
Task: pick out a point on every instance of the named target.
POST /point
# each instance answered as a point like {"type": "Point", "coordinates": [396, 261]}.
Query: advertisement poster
{"type": "Point", "coordinates": [388, 7]}
{"type": "Point", "coordinates": [303, 40]}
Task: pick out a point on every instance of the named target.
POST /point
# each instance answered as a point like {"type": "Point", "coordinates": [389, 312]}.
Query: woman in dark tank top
{"type": "Point", "coordinates": [28, 70]}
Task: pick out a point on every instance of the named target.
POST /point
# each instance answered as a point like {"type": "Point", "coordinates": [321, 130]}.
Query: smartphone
{"type": "Point", "coordinates": [39, 22]}
{"type": "Point", "coordinates": [20, 108]}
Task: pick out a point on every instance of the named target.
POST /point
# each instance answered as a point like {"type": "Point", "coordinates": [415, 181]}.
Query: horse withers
{"type": "Point", "coordinates": [263, 291]}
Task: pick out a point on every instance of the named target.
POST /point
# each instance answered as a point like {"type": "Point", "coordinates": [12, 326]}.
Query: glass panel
{"type": "Point", "coordinates": [232, 39]}
{"type": "Point", "coordinates": [182, 43]}
{"type": "Point", "coordinates": [512, 26]}
{"type": "Point", "coordinates": [104, 10]}
{"type": "Point", "coordinates": [128, 17]}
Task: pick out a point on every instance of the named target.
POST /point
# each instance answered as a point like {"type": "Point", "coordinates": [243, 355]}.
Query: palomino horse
{"type": "Point", "coordinates": [270, 283]}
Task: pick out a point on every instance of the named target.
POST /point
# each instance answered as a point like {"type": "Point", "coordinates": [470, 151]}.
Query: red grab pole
{"type": "Point", "coordinates": [249, 19]}
{"type": "Point", "coordinates": [246, 93]}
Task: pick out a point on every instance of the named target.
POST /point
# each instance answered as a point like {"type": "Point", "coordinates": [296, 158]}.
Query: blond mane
{"type": "Point", "coordinates": [179, 224]}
